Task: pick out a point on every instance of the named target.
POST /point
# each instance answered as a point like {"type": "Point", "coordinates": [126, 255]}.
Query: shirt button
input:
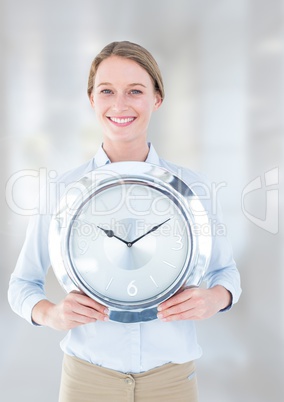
{"type": "Point", "coordinates": [128, 381]}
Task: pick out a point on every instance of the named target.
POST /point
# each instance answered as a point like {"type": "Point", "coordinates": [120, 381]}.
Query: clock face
{"type": "Point", "coordinates": [129, 243]}
{"type": "Point", "coordinates": [123, 234]}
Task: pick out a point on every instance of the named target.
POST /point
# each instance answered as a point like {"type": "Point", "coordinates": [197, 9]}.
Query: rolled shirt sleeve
{"type": "Point", "coordinates": [222, 269]}
{"type": "Point", "coordinates": [26, 287]}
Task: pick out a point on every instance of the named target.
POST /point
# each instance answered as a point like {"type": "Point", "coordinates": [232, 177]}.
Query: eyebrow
{"type": "Point", "coordinates": [131, 85]}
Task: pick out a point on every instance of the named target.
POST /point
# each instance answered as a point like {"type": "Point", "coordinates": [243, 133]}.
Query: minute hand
{"type": "Point", "coordinates": [149, 231]}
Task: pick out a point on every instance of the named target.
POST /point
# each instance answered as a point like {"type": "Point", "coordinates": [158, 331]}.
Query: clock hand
{"type": "Point", "coordinates": [110, 233]}
{"type": "Point", "coordinates": [149, 231]}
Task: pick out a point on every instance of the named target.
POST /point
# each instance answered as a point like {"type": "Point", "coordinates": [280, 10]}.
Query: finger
{"type": "Point", "coordinates": [81, 315]}
{"type": "Point", "coordinates": [90, 313]}
{"type": "Point", "coordinates": [83, 309]}
{"type": "Point", "coordinates": [180, 311]}
{"type": "Point", "coordinates": [176, 299]}
{"type": "Point", "coordinates": [84, 300]}
{"type": "Point", "coordinates": [94, 313]}
{"type": "Point", "coordinates": [87, 301]}
{"type": "Point", "coordinates": [78, 319]}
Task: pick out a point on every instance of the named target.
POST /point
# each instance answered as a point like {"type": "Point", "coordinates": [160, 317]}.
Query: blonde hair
{"type": "Point", "coordinates": [133, 52]}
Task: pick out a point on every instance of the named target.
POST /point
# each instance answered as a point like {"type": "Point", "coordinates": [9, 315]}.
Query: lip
{"type": "Point", "coordinates": [121, 121]}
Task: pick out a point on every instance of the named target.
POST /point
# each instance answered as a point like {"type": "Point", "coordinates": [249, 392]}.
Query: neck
{"type": "Point", "coordinates": [127, 152]}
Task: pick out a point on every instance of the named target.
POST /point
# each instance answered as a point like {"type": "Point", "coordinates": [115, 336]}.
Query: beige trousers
{"type": "Point", "coordinates": [85, 382]}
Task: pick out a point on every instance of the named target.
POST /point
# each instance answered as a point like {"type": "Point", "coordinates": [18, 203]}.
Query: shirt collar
{"type": "Point", "coordinates": [101, 158]}
{"type": "Point", "coordinates": [152, 156]}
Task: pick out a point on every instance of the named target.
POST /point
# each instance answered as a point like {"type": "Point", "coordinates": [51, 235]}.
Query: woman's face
{"type": "Point", "coordinates": [124, 99]}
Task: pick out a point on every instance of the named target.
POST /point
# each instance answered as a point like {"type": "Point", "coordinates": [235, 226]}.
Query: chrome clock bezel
{"type": "Point", "coordinates": [117, 174]}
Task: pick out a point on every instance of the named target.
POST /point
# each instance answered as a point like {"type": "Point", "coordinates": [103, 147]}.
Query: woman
{"type": "Point", "coordinates": [106, 361]}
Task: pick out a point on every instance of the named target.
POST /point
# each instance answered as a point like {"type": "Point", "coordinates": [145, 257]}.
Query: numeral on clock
{"type": "Point", "coordinates": [179, 243]}
{"type": "Point", "coordinates": [132, 289]}
{"type": "Point", "coordinates": [83, 246]}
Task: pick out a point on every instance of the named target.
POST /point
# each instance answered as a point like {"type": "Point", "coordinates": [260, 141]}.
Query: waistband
{"type": "Point", "coordinates": [169, 369]}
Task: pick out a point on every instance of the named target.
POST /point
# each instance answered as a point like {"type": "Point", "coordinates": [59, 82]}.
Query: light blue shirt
{"type": "Point", "coordinates": [134, 347]}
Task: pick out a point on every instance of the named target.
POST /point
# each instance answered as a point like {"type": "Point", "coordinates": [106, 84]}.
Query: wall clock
{"type": "Point", "coordinates": [129, 235]}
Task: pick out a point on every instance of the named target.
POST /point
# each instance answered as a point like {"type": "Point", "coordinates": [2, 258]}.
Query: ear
{"type": "Point", "coordinates": [158, 101]}
{"type": "Point", "coordinates": [91, 97]}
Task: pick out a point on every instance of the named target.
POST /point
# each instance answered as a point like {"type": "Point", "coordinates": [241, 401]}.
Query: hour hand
{"type": "Point", "coordinates": [110, 233]}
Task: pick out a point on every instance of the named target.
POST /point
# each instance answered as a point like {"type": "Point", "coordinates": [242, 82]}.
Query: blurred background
{"type": "Point", "coordinates": [222, 63]}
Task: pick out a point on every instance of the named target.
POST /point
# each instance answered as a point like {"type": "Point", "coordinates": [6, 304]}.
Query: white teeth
{"type": "Point", "coordinates": [121, 121]}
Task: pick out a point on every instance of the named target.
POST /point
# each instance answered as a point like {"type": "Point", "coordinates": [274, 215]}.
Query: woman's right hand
{"type": "Point", "coordinates": [74, 310]}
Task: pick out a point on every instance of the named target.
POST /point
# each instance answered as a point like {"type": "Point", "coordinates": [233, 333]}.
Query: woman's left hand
{"type": "Point", "coordinates": [195, 304]}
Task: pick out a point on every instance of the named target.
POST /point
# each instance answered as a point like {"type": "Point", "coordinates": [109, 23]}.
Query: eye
{"type": "Point", "coordinates": [106, 91]}
{"type": "Point", "coordinates": [135, 92]}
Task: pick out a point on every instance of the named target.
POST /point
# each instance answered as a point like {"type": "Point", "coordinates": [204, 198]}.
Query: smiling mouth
{"type": "Point", "coordinates": [122, 120]}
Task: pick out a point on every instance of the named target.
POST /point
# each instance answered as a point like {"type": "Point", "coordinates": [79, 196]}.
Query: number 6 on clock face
{"type": "Point", "coordinates": [128, 239]}
{"type": "Point", "coordinates": [132, 289]}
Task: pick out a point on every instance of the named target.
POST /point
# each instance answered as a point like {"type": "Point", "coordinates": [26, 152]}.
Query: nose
{"type": "Point", "coordinates": [119, 103]}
